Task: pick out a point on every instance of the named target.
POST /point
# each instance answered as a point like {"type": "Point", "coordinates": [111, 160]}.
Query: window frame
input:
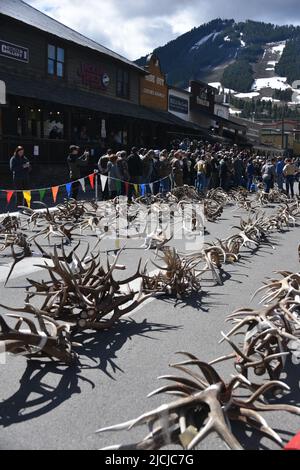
{"type": "Point", "coordinates": [55, 61]}
{"type": "Point", "coordinates": [123, 83]}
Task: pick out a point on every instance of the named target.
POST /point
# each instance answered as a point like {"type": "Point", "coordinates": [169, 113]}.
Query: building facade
{"type": "Point", "coordinates": [153, 86]}
{"type": "Point", "coordinates": [63, 88]}
{"type": "Point", "coordinates": [179, 103]}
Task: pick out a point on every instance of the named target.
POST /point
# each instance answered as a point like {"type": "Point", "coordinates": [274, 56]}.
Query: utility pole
{"type": "Point", "coordinates": [283, 129]}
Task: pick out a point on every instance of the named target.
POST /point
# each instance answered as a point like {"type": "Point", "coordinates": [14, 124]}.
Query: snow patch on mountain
{"type": "Point", "coordinates": [276, 83]}
{"type": "Point", "coordinates": [252, 94]}
{"type": "Point", "coordinates": [279, 48]}
{"type": "Point", "coordinates": [205, 39]}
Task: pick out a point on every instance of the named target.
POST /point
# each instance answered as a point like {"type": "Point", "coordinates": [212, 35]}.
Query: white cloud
{"type": "Point", "coordinates": [135, 27]}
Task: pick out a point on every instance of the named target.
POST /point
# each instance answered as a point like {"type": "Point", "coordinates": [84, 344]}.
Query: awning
{"type": "Point", "coordinates": [57, 93]}
{"type": "Point", "coordinates": [226, 122]}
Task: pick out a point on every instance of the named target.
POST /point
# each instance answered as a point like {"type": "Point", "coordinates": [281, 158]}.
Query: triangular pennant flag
{"type": "Point", "coordinates": [82, 182]}
{"type": "Point", "coordinates": [27, 197]}
{"type": "Point", "coordinates": [136, 188]}
{"type": "Point", "coordinates": [143, 189]}
{"type": "Point", "coordinates": [42, 193]}
{"type": "Point", "coordinates": [92, 180]}
{"type": "Point", "coordinates": [69, 189]}
{"type": "Point", "coordinates": [103, 182]}
{"type": "Point", "coordinates": [118, 186]}
{"type": "Point", "coordinates": [151, 188]}
{"type": "Point", "coordinates": [9, 195]}
{"type": "Point", "coordinates": [126, 188]}
{"type": "Point", "coordinates": [55, 190]}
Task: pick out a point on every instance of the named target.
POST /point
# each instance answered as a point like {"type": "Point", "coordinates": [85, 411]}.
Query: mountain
{"type": "Point", "coordinates": [233, 55]}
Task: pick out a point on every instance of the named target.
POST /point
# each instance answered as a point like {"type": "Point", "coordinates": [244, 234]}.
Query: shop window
{"type": "Point", "coordinates": [35, 122]}
{"type": "Point", "coordinates": [123, 84]}
{"type": "Point", "coordinates": [14, 120]}
{"type": "Point", "coordinates": [56, 61]}
{"type": "Point", "coordinates": [54, 125]}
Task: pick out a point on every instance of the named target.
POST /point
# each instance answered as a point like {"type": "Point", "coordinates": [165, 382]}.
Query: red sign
{"type": "Point", "coordinates": [93, 76]}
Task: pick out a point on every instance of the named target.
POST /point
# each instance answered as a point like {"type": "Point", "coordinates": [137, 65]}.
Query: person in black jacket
{"type": "Point", "coordinates": [135, 169]}
{"type": "Point", "coordinates": [20, 168]}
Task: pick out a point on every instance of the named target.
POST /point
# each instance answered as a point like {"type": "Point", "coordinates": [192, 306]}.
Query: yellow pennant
{"type": "Point", "coordinates": [27, 197]}
{"type": "Point", "coordinates": [136, 188]}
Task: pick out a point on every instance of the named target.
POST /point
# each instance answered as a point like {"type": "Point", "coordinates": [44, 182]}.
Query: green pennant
{"type": "Point", "coordinates": [42, 194]}
{"type": "Point", "coordinates": [118, 186]}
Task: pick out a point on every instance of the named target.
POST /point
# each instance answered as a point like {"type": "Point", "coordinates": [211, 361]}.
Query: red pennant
{"type": "Point", "coordinates": [54, 190]}
{"type": "Point", "coordinates": [92, 180]}
{"type": "Point", "coordinates": [294, 444]}
{"type": "Point", "coordinates": [9, 195]}
{"type": "Point", "coordinates": [126, 188]}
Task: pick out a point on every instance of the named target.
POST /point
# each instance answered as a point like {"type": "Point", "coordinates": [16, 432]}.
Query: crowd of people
{"type": "Point", "coordinates": [200, 164]}
{"type": "Point", "coordinates": [203, 165]}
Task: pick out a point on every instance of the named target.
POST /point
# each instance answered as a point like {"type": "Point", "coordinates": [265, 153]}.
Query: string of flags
{"type": "Point", "coordinates": [140, 189]}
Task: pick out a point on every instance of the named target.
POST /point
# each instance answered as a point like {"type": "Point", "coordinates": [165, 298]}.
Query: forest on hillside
{"type": "Point", "coordinates": [195, 54]}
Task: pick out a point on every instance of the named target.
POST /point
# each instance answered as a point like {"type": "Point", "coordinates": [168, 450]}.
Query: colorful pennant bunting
{"type": "Point", "coordinates": [42, 193]}
{"type": "Point", "coordinates": [27, 197]}
{"type": "Point", "coordinates": [92, 180]}
{"type": "Point", "coordinates": [55, 190]}
{"type": "Point", "coordinates": [69, 189]}
{"type": "Point", "coordinates": [143, 189]}
{"type": "Point", "coordinates": [118, 186]}
{"type": "Point", "coordinates": [9, 195]}
{"type": "Point", "coordinates": [82, 182]}
{"type": "Point", "coordinates": [103, 182]}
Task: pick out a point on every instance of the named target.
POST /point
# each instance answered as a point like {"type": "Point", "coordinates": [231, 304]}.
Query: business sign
{"type": "Point", "coordinates": [12, 51]}
{"type": "Point", "coordinates": [93, 76]}
{"type": "Point", "coordinates": [178, 105]}
{"type": "Point", "coordinates": [2, 92]}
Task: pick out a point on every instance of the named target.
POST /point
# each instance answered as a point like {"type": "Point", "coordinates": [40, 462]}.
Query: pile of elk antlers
{"type": "Point", "coordinates": [85, 292]}
{"type": "Point", "coordinates": [205, 403]}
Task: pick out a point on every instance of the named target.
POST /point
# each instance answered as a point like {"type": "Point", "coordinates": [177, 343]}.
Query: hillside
{"type": "Point", "coordinates": [228, 52]}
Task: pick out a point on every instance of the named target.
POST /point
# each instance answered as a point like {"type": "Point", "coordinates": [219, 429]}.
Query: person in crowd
{"type": "Point", "coordinates": [239, 171]}
{"type": "Point", "coordinates": [200, 168]}
{"type": "Point", "coordinates": [123, 170]}
{"type": "Point", "coordinates": [250, 172]}
{"type": "Point", "coordinates": [215, 177]}
{"type": "Point", "coordinates": [114, 177]}
{"type": "Point", "coordinates": [186, 168]}
{"type": "Point", "coordinates": [290, 173]}
{"type": "Point", "coordinates": [224, 173]}
{"type": "Point", "coordinates": [20, 168]}
{"type": "Point", "coordinates": [269, 175]}
{"type": "Point", "coordinates": [208, 171]}
{"type": "Point", "coordinates": [75, 163]}
{"type": "Point", "coordinates": [177, 171]}
{"type": "Point", "coordinates": [102, 166]}
{"type": "Point", "coordinates": [135, 168]}
{"type": "Point", "coordinates": [279, 172]}
{"type": "Point", "coordinates": [147, 163]}
{"type": "Point", "coordinates": [164, 172]}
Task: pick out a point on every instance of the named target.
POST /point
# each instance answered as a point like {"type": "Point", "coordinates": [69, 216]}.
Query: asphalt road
{"type": "Point", "coordinates": [46, 406]}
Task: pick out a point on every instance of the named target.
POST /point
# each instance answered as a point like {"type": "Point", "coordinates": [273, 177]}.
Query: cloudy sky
{"type": "Point", "coordinates": [135, 27]}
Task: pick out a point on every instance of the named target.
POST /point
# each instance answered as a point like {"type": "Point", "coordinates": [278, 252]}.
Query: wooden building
{"type": "Point", "coordinates": [63, 88]}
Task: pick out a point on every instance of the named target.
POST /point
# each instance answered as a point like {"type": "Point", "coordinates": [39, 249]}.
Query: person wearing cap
{"type": "Point", "coordinates": [290, 173]}
{"type": "Point", "coordinates": [75, 163]}
{"type": "Point", "coordinates": [20, 168]}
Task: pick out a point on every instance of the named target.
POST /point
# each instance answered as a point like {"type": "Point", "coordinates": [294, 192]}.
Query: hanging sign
{"type": "Point", "coordinates": [12, 51]}
{"type": "Point", "coordinates": [2, 92]}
